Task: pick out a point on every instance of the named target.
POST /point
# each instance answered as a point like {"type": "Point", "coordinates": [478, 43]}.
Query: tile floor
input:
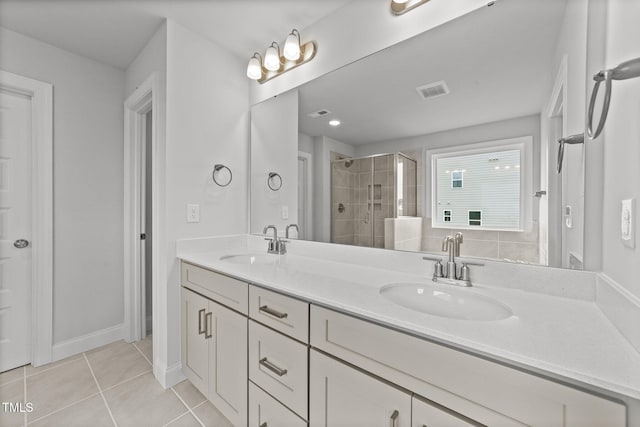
{"type": "Point", "coordinates": [109, 386]}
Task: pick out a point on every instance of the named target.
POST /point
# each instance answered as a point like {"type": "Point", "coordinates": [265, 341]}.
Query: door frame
{"type": "Point", "coordinates": [41, 95]}
{"type": "Point", "coordinates": [307, 158]}
{"type": "Point", "coordinates": [137, 105]}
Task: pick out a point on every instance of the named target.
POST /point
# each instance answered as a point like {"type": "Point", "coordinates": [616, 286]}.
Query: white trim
{"type": "Point", "coordinates": [308, 160]}
{"type": "Point", "coordinates": [524, 143]}
{"type": "Point", "coordinates": [87, 342]}
{"type": "Point", "coordinates": [168, 376]}
{"type": "Point", "coordinates": [143, 99]}
{"type": "Point", "coordinates": [41, 95]}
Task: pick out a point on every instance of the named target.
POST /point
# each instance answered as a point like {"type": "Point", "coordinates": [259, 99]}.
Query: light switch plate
{"type": "Point", "coordinates": [193, 213]}
{"type": "Point", "coordinates": [627, 226]}
{"type": "Point", "coordinates": [285, 212]}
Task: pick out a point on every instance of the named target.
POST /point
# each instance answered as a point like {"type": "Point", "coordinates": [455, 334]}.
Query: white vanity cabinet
{"type": "Point", "coordinates": [214, 350]}
{"type": "Point", "coordinates": [343, 396]}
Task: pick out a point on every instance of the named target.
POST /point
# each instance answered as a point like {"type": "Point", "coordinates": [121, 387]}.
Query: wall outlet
{"type": "Point", "coordinates": [193, 213]}
{"type": "Point", "coordinates": [627, 231]}
{"type": "Point", "coordinates": [285, 212]}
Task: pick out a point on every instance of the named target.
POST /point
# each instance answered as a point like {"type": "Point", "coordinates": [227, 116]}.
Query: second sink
{"type": "Point", "coordinates": [250, 258]}
{"type": "Point", "coordinates": [446, 302]}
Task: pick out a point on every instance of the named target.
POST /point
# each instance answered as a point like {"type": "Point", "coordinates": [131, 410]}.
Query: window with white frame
{"type": "Point", "coordinates": [480, 186]}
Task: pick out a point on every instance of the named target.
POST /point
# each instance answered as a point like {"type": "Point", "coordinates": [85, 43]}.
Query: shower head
{"type": "Point", "coordinates": [348, 163]}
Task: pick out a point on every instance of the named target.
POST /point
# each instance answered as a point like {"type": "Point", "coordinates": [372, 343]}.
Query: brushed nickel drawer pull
{"type": "Point", "coordinates": [273, 368]}
{"type": "Point", "coordinates": [394, 418]}
{"type": "Point", "coordinates": [272, 312]}
{"type": "Point", "coordinates": [200, 313]}
{"type": "Point", "coordinates": [207, 326]}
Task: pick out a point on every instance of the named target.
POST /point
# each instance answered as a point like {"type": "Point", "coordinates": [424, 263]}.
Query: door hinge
{"type": "Point", "coordinates": [143, 236]}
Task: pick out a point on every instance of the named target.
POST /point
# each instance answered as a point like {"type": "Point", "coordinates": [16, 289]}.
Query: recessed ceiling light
{"type": "Point", "coordinates": [334, 122]}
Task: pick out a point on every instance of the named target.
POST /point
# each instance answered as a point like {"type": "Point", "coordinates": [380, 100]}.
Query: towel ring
{"type": "Point", "coordinates": [274, 181]}
{"type": "Point", "coordinates": [573, 139]}
{"type": "Point", "coordinates": [626, 70]}
{"type": "Point", "coordinates": [222, 181]}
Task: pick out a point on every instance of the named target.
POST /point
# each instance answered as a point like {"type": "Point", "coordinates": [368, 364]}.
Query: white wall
{"type": "Point", "coordinates": [323, 147]}
{"type": "Point", "coordinates": [87, 182]}
{"type": "Point", "coordinates": [207, 123]}
{"type": "Point", "coordinates": [622, 146]}
{"type": "Point", "coordinates": [274, 148]}
{"type": "Point", "coordinates": [305, 143]}
{"type": "Point", "coordinates": [358, 29]}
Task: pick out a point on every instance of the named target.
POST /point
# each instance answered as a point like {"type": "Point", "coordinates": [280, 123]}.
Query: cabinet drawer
{"type": "Point", "coordinates": [223, 289]}
{"type": "Point", "coordinates": [425, 414]}
{"type": "Point", "coordinates": [265, 411]}
{"type": "Point", "coordinates": [287, 315]}
{"type": "Point", "coordinates": [482, 390]}
{"type": "Point", "coordinates": [279, 365]}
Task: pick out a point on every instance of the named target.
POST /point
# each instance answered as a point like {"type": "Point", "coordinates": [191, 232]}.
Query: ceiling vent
{"type": "Point", "coordinates": [319, 113]}
{"type": "Point", "coordinates": [433, 90]}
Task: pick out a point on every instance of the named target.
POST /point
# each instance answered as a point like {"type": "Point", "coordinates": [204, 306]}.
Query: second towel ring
{"type": "Point", "coordinates": [274, 181]}
{"type": "Point", "coordinates": [573, 139]}
{"type": "Point", "coordinates": [222, 181]}
{"type": "Point", "coordinates": [626, 70]}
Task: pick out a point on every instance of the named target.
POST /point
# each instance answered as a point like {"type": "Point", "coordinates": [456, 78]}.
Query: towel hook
{"type": "Point", "coordinates": [626, 70]}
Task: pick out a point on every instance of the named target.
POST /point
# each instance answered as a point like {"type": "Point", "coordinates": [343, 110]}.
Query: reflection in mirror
{"type": "Point", "coordinates": [452, 130]}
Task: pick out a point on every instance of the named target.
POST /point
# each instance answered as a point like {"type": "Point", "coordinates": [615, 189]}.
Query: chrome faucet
{"type": "Point", "coordinates": [276, 245]}
{"type": "Point", "coordinates": [292, 226]}
{"type": "Point", "coordinates": [450, 274]}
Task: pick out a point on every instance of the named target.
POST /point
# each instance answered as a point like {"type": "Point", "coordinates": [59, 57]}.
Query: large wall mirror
{"type": "Point", "coordinates": [453, 130]}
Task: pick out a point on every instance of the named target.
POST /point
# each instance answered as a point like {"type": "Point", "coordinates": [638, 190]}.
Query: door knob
{"type": "Point", "coordinates": [21, 243]}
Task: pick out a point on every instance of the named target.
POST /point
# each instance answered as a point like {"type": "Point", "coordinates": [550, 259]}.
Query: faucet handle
{"type": "Point", "coordinates": [479, 264]}
{"type": "Point", "coordinates": [432, 258]}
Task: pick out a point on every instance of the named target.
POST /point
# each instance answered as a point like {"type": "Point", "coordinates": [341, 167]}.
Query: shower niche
{"type": "Point", "coordinates": [368, 194]}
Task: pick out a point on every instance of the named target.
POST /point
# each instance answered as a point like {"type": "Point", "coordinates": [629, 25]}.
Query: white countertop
{"type": "Point", "coordinates": [563, 337]}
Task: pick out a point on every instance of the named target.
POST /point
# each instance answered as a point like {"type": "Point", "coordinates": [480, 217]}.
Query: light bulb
{"type": "Point", "coordinates": [400, 1]}
{"type": "Point", "coordinates": [254, 69]}
{"type": "Point", "coordinates": [292, 46]}
{"type": "Point", "coordinates": [272, 58]}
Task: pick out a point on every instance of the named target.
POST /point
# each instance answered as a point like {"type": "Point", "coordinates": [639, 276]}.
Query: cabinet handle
{"type": "Point", "coordinates": [207, 326]}
{"type": "Point", "coordinates": [272, 312]}
{"type": "Point", "coordinates": [200, 313]}
{"type": "Point", "coordinates": [394, 418]}
{"type": "Point", "coordinates": [273, 368]}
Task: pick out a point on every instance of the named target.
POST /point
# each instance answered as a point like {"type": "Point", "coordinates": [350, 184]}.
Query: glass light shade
{"type": "Point", "coordinates": [272, 59]}
{"type": "Point", "coordinates": [400, 1]}
{"type": "Point", "coordinates": [292, 48]}
{"type": "Point", "coordinates": [254, 69]}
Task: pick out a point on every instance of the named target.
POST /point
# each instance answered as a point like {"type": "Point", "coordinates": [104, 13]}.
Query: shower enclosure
{"type": "Point", "coordinates": [367, 190]}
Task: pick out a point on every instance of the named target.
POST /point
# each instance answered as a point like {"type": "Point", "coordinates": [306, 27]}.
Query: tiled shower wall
{"type": "Point", "coordinates": [343, 191]}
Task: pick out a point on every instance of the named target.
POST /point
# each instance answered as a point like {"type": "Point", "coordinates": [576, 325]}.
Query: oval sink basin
{"type": "Point", "coordinates": [250, 259]}
{"type": "Point", "coordinates": [452, 303]}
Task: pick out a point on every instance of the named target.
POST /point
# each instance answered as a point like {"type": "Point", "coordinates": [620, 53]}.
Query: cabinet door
{"type": "Point", "coordinates": [425, 414]}
{"type": "Point", "coordinates": [265, 411]}
{"type": "Point", "coordinates": [228, 362]}
{"type": "Point", "coordinates": [343, 396]}
{"type": "Point", "coordinates": [195, 347]}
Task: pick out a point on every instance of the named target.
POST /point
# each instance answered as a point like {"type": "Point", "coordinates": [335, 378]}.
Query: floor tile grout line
{"type": "Point", "coordinates": [177, 418]}
{"type": "Point", "coordinates": [71, 359]}
{"type": "Point", "coordinates": [104, 399]}
{"type": "Point", "coordinates": [66, 407]}
{"type": "Point", "coordinates": [111, 387]}
{"type": "Point", "coordinates": [145, 357]}
{"type": "Point", "coordinates": [188, 408]}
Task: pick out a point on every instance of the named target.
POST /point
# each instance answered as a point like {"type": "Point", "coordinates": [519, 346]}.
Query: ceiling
{"type": "Point", "coordinates": [496, 61]}
{"type": "Point", "coordinates": [114, 31]}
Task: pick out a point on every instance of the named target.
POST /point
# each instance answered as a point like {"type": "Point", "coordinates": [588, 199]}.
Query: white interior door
{"type": "Point", "coordinates": [15, 230]}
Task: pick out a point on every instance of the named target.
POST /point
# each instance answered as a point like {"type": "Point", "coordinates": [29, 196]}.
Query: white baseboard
{"type": "Point", "coordinates": [87, 342]}
{"type": "Point", "coordinates": [169, 376]}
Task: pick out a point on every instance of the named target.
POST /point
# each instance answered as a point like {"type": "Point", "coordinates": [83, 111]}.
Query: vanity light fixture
{"type": "Point", "coordinates": [272, 57]}
{"type": "Point", "coordinates": [254, 69]}
{"type": "Point", "coordinates": [334, 122]}
{"type": "Point", "coordinates": [276, 63]}
{"type": "Point", "coordinates": [398, 7]}
{"type": "Point", "coordinates": [291, 49]}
